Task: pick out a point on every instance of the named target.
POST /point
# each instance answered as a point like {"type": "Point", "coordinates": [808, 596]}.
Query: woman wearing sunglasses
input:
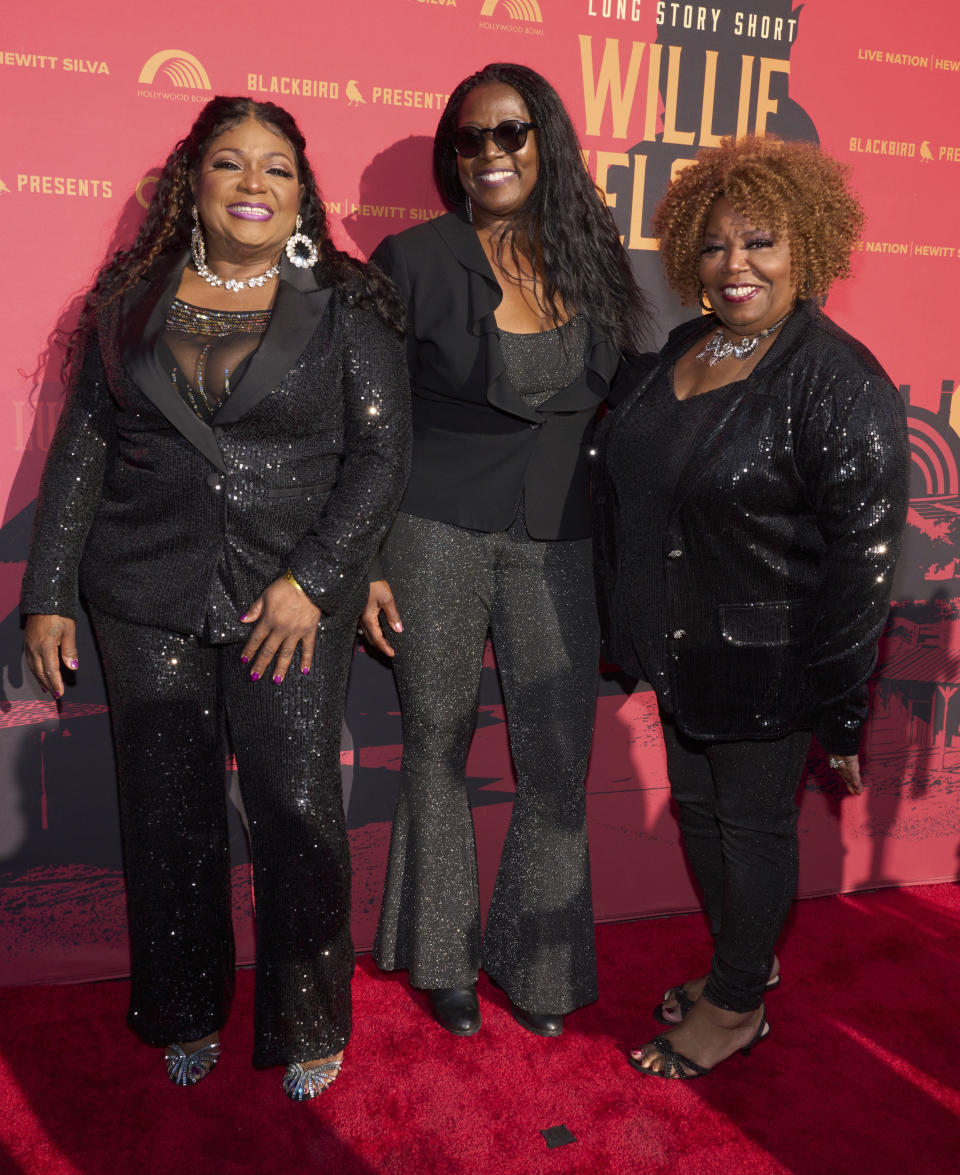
{"type": "Point", "coordinates": [519, 303]}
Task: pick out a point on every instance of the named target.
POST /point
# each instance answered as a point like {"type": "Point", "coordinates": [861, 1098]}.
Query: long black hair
{"type": "Point", "coordinates": [167, 225]}
{"type": "Point", "coordinates": [564, 222]}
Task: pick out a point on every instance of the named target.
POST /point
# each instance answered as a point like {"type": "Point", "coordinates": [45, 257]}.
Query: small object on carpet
{"type": "Point", "coordinates": [558, 1136]}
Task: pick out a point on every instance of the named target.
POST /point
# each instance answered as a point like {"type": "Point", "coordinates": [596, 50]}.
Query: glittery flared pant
{"type": "Point", "coordinates": [536, 598]}
{"type": "Point", "coordinates": [171, 698]}
{"type": "Point", "coordinates": [738, 813]}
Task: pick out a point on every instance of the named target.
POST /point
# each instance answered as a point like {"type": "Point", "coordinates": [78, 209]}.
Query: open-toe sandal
{"type": "Point", "coordinates": [300, 1084]}
{"type": "Point", "coordinates": [678, 1067]}
{"type": "Point", "coordinates": [185, 1068]}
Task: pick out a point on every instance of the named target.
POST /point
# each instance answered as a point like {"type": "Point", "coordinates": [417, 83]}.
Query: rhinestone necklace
{"type": "Point", "coordinates": [232, 284]}
{"type": "Point", "coordinates": [717, 347]}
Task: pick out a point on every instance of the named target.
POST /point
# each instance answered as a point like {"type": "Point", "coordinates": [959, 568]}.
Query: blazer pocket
{"type": "Point", "coordinates": [766, 625]}
{"type": "Point", "coordinates": [278, 492]}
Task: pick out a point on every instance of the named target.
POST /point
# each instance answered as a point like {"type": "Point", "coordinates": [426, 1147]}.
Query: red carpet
{"type": "Point", "coordinates": [859, 1074]}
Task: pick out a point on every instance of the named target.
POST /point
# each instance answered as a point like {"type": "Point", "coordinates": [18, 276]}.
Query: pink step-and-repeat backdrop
{"type": "Point", "coordinates": [94, 98]}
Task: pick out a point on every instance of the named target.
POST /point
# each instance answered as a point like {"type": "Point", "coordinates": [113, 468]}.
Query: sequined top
{"type": "Point", "coordinates": [541, 363]}
{"type": "Point", "coordinates": [207, 351]}
{"type": "Point", "coordinates": [780, 541]}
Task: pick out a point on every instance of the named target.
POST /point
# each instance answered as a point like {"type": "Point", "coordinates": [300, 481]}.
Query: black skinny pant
{"type": "Point", "coordinates": [171, 698]}
{"type": "Point", "coordinates": [738, 815]}
{"type": "Point", "coordinates": [536, 598]}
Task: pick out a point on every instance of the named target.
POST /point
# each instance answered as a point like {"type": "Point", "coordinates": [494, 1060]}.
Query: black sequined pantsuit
{"type": "Point", "coordinates": [738, 813]}
{"type": "Point", "coordinates": [171, 699]}
{"type": "Point", "coordinates": [536, 599]}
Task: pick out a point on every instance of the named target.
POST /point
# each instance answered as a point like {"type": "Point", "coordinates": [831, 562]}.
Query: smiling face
{"type": "Point", "coordinates": [497, 183]}
{"type": "Point", "coordinates": [745, 270]}
{"type": "Point", "coordinates": [247, 193]}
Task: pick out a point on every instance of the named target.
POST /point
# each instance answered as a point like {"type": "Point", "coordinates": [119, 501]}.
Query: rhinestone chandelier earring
{"type": "Point", "coordinates": [300, 250]}
{"type": "Point", "coordinates": [197, 244]}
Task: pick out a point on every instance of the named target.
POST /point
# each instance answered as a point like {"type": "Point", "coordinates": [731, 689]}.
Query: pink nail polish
{"type": "Point", "coordinates": [74, 664]}
{"type": "Point", "coordinates": [277, 679]}
{"type": "Point", "coordinates": [254, 676]}
{"type": "Point", "coordinates": [244, 660]}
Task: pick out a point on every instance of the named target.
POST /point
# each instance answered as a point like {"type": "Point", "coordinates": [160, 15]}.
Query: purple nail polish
{"type": "Point", "coordinates": [243, 617]}
{"type": "Point", "coordinates": [254, 676]}
{"type": "Point", "coordinates": [74, 664]}
{"type": "Point", "coordinates": [305, 670]}
{"type": "Point", "coordinates": [244, 660]}
{"type": "Point", "coordinates": [43, 688]}
{"type": "Point", "coordinates": [277, 679]}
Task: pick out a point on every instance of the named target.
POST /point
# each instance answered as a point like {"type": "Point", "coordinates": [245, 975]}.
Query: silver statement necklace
{"type": "Point", "coordinates": [717, 347]}
{"type": "Point", "coordinates": [231, 283]}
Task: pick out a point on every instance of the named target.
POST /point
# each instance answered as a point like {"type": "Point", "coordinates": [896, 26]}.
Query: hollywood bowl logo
{"type": "Point", "coordinates": [525, 10]}
{"type": "Point", "coordinates": [181, 68]}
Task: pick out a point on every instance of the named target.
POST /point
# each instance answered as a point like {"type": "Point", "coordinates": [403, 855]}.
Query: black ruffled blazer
{"type": "Point", "coordinates": [150, 513]}
{"type": "Point", "coordinates": [476, 444]}
{"type": "Point", "coordinates": [783, 534]}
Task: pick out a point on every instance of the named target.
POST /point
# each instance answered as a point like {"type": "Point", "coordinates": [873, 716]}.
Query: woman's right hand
{"type": "Point", "coordinates": [48, 640]}
{"type": "Point", "coordinates": [380, 600]}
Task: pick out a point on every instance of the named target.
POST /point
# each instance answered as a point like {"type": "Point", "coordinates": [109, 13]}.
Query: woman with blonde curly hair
{"type": "Point", "coordinates": [751, 493]}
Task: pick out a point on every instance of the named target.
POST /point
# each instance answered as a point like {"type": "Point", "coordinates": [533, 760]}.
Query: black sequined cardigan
{"type": "Point", "coordinates": [780, 548]}
{"type": "Point", "coordinates": [147, 511]}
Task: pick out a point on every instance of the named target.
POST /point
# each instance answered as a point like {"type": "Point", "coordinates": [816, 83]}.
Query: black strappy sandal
{"type": "Point", "coordinates": [675, 1064]}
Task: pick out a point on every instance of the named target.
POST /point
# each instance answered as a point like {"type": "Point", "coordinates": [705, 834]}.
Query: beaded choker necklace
{"type": "Point", "coordinates": [717, 347]}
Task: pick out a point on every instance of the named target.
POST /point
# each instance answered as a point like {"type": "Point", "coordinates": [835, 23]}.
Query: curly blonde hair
{"type": "Point", "coordinates": [786, 187]}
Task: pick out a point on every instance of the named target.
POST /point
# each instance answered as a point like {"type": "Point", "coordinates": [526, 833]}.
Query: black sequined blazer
{"type": "Point", "coordinates": [778, 558]}
{"type": "Point", "coordinates": [476, 443]}
{"type": "Point", "coordinates": [149, 513]}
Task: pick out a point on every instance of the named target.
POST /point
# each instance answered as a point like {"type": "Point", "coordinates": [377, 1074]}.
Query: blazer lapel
{"type": "Point", "coordinates": [297, 310]}
{"type": "Point", "coordinates": [484, 296]}
{"type": "Point", "coordinates": [142, 319]}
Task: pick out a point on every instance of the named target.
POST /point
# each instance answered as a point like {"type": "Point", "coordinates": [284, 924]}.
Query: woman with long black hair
{"type": "Point", "coordinates": [232, 449]}
{"type": "Point", "coordinates": [519, 303]}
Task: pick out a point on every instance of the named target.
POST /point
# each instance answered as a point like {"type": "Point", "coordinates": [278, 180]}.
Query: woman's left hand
{"type": "Point", "coordinates": [283, 617]}
{"type": "Point", "coordinates": [848, 768]}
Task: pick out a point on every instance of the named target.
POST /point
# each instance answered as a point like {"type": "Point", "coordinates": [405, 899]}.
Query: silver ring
{"type": "Point", "coordinates": [835, 762]}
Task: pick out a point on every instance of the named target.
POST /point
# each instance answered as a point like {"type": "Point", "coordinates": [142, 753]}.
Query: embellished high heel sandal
{"type": "Point", "coordinates": [676, 1065]}
{"type": "Point", "coordinates": [189, 1068]}
{"type": "Point", "coordinates": [300, 1084]}
{"type": "Point", "coordinates": [685, 1003]}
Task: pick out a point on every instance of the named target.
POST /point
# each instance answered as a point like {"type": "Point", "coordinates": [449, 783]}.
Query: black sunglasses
{"type": "Point", "coordinates": [509, 135]}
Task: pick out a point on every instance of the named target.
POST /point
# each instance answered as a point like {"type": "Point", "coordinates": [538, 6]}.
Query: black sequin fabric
{"type": "Point", "coordinates": [134, 516]}
{"type": "Point", "coordinates": [171, 527]}
{"type": "Point", "coordinates": [172, 699]}
{"type": "Point", "coordinates": [775, 558]}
